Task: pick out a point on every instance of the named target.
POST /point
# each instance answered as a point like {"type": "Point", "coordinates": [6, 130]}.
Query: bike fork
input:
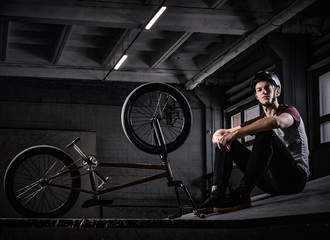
{"type": "Point", "coordinates": [171, 183]}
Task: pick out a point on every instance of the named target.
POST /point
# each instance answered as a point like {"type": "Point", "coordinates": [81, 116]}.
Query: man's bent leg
{"type": "Point", "coordinates": [261, 155]}
{"type": "Point", "coordinates": [253, 169]}
{"type": "Point", "coordinates": [224, 159]}
{"type": "Point", "coordinates": [222, 170]}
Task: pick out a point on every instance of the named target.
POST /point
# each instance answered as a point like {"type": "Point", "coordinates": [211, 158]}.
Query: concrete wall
{"type": "Point", "coordinates": [58, 107]}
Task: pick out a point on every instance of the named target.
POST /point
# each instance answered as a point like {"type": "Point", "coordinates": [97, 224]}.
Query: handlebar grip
{"type": "Point", "coordinates": [73, 142]}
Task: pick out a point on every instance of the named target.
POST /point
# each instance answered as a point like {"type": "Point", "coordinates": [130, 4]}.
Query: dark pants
{"type": "Point", "coordinates": [269, 165]}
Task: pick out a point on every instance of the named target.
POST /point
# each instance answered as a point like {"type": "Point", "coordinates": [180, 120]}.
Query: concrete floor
{"type": "Point", "coordinates": [315, 199]}
{"type": "Point", "coordinates": [305, 215]}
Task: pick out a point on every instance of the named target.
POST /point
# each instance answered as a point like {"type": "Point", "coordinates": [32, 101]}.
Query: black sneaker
{"type": "Point", "coordinates": [236, 200]}
{"type": "Point", "coordinates": [216, 197]}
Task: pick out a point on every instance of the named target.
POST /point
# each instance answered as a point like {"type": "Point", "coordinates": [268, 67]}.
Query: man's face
{"type": "Point", "coordinates": [265, 92]}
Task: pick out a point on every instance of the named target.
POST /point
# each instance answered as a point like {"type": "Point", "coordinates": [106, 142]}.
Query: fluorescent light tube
{"type": "Point", "coordinates": [155, 17]}
{"type": "Point", "coordinates": [120, 62]}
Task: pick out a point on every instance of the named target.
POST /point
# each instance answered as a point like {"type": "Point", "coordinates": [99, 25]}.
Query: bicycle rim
{"type": "Point", "coordinates": [168, 105]}
{"type": "Point", "coordinates": [28, 178]}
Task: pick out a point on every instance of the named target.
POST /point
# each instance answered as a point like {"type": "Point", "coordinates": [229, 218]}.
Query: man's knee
{"type": "Point", "coordinates": [268, 133]}
{"type": "Point", "coordinates": [220, 151]}
{"type": "Point", "coordinates": [265, 138]}
{"type": "Point", "coordinates": [236, 145]}
{"type": "Point", "coordinates": [262, 136]}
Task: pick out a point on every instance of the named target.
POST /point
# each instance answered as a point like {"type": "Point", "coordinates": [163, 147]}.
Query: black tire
{"type": "Point", "coordinates": [174, 114]}
{"type": "Point", "coordinates": [32, 197]}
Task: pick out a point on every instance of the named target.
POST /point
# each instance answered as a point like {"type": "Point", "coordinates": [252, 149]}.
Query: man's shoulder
{"type": "Point", "coordinates": [284, 108]}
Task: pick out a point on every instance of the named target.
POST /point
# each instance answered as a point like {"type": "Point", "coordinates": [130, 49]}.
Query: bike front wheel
{"type": "Point", "coordinates": [40, 182]}
{"type": "Point", "coordinates": [164, 102]}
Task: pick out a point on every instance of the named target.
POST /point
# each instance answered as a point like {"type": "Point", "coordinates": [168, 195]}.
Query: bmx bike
{"type": "Point", "coordinates": [44, 182]}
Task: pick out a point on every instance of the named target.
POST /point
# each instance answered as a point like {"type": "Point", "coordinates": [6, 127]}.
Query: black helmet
{"type": "Point", "coordinates": [264, 76]}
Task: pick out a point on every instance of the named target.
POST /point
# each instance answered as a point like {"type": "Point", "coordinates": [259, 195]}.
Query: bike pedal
{"type": "Point", "coordinates": [104, 182]}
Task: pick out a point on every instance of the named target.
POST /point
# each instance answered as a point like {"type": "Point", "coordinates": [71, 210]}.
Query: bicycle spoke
{"type": "Point", "coordinates": [46, 173]}
{"type": "Point", "coordinates": [165, 105]}
{"type": "Point", "coordinates": [26, 171]}
{"type": "Point", "coordinates": [156, 102]}
{"type": "Point", "coordinates": [146, 108]}
{"type": "Point", "coordinates": [26, 189]}
{"type": "Point", "coordinates": [59, 196]}
{"type": "Point", "coordinates": [30, 196]}
{"type": "Point", "coordinates": [145, 132]}
{"type": "Point", "coordinates": [30, 186]}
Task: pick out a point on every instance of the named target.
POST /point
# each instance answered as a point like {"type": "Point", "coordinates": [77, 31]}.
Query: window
{"type": "Point", "coordinates": [324, 89]}
{"type": "Point", "coordinates": [324, 100]}
{"type": "Point", "coordinates": [243, 114]}
{"type": "Point", "coordinates": [325, 132]}
{"type": "Point", "coordinates": [236, 120]}
{"type": "Point", "coordinates": [250, 113]}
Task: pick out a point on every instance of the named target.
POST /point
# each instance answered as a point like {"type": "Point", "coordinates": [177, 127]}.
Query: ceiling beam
{"type": "Point", "coordinates": [146, 2]}
{"type": "Point", "coordinates": [173, 44]}
{"type": "Point", "coordinates": [60, 43]}
{"type": "Point", "coordinates": [116, 47]}
{"type": "Point", "coordinates": [215, 21]}
{"type": "Point", "coordinates": [126, 16]}
{"type": "Point", "coordinates": [248, 41]}
{"type": "Point", "coordinates": [127, 41]}
{"type": "Point", "coordinates": [97, 74]}
{"type": "Point", "coordinates": [62, 14]}
{"type": "Point", "coordinates": [4, 26]}
{"type": "Point", "coordinates": [216, 4]}
{"type": "Point", "coordinates": [217, 50]}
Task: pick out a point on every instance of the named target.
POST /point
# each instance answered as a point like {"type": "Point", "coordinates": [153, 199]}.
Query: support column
{"type": "Point", "coordinates": [289, 52]}
{"type": "Point", "coordinates": [213, 99]}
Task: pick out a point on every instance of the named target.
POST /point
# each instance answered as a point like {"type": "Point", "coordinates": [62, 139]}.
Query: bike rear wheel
{"type": "Point", "coordinates": [28, 181]}
{"type": "Point", "coordinates": [161, 101]}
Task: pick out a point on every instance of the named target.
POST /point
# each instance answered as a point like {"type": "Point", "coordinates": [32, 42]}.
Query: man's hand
{"type": "Point", "coordinates": [227, 139]}
{"type": "Point", "coordinates": [218, 134]}
{"type": "Point", "coordinates": [217, 140]}
{"type": "Point", "coordinates": [224, 137]}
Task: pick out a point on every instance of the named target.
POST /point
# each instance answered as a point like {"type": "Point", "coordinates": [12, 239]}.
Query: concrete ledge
{"type": "Point", "coordinates": [306, 219]}
{"type": "Point", "coordinates": [305, 215]}
{"type": "Point", "coordinates": [311, 226]}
